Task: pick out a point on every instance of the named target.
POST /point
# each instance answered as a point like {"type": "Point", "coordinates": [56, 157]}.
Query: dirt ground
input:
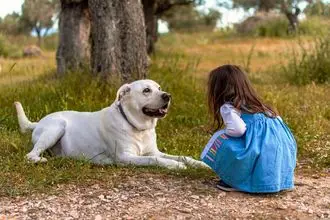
{"type": "Point", "coordinates": [155, 196]}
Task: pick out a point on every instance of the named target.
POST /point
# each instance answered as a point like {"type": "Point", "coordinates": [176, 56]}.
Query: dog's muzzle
{"type": "Point", "coordinates": [160, 112]}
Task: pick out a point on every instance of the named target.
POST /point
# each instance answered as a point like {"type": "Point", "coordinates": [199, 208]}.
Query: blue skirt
{"type": "Point", "coordinates": [261, 161]}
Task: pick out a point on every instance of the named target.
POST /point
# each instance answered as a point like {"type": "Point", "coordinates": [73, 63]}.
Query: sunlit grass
{"type": "Point", "coordinates": [213, 49]}
{"type": "Point", "coordinates": [18, 70]}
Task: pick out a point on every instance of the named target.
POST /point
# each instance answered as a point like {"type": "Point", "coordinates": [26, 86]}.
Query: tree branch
{"type": "Point", "coordinates": [166, 5]}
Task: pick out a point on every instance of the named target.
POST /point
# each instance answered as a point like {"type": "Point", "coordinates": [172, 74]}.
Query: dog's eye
{"type": "Point", "coordinates": [159, 88]}
{"type": "Point", "coordinates": [146, 90]}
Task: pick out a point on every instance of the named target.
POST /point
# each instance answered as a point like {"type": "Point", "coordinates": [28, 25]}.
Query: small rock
{"type": "Point", "coordinates": [98, 217]}
{"type": "Point", "coordinates": [282, 207]}
{"type": "Point", "coordinates": [194, 197]}
{"type": "Point", "coordinates": [127, 217]}
{"type": "Point", "coordinates": [123, 197]}
{"type": "Point", "coordinates": [310, 211]}
{"type": "Point", "coordinates": [81, 201]}
{"type": "Point", "coordinates": [184, 210]}
{"type": "Point", "coordinates": [96, 186]}
{"type": "Point", "coordinates": [74, 214]}
{"type": "Point", "coordinates": [222, 194]}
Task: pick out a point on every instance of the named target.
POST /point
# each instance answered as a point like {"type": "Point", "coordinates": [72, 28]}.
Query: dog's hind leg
{"type": "Point", "coordinates": [47, 139]}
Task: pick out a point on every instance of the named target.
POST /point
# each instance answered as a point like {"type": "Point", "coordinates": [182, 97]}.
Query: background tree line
{"type": "Point", "coordinates": [36, 15]}
{"type": "Point", "coordinates": [106, 38]}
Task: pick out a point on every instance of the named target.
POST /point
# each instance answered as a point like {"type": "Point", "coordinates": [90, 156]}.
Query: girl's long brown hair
{"type": "Point", "coordinates": [228, 83]}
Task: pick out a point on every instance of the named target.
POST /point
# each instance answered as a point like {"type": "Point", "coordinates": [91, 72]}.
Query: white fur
{"type": "Point", "coordinates": [105, 137]}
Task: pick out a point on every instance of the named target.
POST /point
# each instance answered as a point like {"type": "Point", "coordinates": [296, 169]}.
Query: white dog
{"type": "Point", "coordinates": [123, 133]}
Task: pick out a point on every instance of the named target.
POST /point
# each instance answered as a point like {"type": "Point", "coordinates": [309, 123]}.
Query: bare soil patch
{"type": "Point", "coordinates": [158, 196]}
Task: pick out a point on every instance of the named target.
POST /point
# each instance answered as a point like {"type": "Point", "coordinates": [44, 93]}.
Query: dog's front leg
{"type": "Point", "coordinates": [129, 159]}
{"type": "Point", "coordinates": [184, 159]}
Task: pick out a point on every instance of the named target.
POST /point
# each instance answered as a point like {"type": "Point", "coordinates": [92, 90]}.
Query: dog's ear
{"type": "Point", "coordinates": [122, 91]}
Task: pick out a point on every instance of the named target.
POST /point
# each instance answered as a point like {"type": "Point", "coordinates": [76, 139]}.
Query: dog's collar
{"type": "Point", "coordinates": [124, 116]}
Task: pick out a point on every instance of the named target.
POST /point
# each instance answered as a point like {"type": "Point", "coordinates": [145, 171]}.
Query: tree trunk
{"type": "Point", "coordinates": [38, 31]}
{"type": "Point", "coordinates": [291, 16]}
{"type": "Point", "coordinates": [118, 39]}
{"type": "Point", "coordinates": [293, 20]}
{"type": "Point", "coordinates": [266, 5]}
{"type": "Point", "coordinates": [73, 52]}
{"type": "Point", "coordinates": [293, 23]}
{"type": "Point", "coordinates": [150, 18]}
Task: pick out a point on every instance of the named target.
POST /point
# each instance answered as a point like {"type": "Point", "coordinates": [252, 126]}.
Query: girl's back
{"type": "Point", "coordinates": [256, 152]}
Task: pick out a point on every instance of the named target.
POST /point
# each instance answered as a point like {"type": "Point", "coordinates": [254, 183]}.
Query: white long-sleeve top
{"type": "Point", "coordinates": [234, 125]}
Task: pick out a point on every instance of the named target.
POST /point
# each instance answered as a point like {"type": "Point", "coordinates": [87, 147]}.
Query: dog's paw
{"type": "Point", "coordinates": [177, 165]}
{"type": "Point", "coordinates": [199, 164]}
{"type": "Point", "coordinates": [35, 159]}
{"type": "Point", "coordinates": [194, 163]}
{"type": "Point", "coordinates": [43, 160]}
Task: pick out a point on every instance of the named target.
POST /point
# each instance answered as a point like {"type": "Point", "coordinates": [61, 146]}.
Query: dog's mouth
{"type": "Point", "coordinates": [156, 113]}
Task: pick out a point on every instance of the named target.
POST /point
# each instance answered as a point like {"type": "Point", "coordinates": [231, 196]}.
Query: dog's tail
{"type": "Point", "coordinates": [23, 121]}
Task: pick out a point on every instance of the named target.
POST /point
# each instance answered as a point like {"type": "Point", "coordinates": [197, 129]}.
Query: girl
{"type": "Point", "coordinates": [255, 152]}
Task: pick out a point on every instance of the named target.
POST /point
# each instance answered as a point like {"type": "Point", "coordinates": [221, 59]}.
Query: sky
{"type": "Point", "coordinates": [7, 7]}
{"type": "Point", "coordinates": [228, 16]}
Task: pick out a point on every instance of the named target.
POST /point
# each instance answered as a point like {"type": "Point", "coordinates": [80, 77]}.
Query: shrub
{"type": "Point", "coordinates": [3, 47]}
{"type": "Point", "coordinates": [8, 50]}
{"type": "Point", "coordinates": [264, 25]}
{"type": "Point", "coordinates": [314, 26]}
{"type": "Point", "coordinates": [310, 64]}
{"type": "Point", "coordinates": [276, 27]}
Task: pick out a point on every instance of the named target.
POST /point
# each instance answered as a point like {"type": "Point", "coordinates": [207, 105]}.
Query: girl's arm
{"type": "Point", "coordinates": [234, 125]}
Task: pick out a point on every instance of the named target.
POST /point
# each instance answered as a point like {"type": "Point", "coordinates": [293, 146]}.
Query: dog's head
{"type": "Point", "coordinates": [143, 100]}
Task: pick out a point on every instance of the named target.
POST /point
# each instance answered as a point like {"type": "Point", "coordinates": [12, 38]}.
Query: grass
{"type": "Point", "coordinates": [180, 66]}
{"type": "Point", "coordinates": [215, 49]}
{"type": "Point", "coordinates": [312, 65]}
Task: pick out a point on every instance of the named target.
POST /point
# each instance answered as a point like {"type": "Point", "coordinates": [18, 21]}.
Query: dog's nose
{"type": "Point", "coordinates": [166, 97]}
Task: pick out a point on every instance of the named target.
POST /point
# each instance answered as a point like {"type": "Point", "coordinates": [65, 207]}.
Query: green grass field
{"type": "Point", "coordinates": [180, 66]}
